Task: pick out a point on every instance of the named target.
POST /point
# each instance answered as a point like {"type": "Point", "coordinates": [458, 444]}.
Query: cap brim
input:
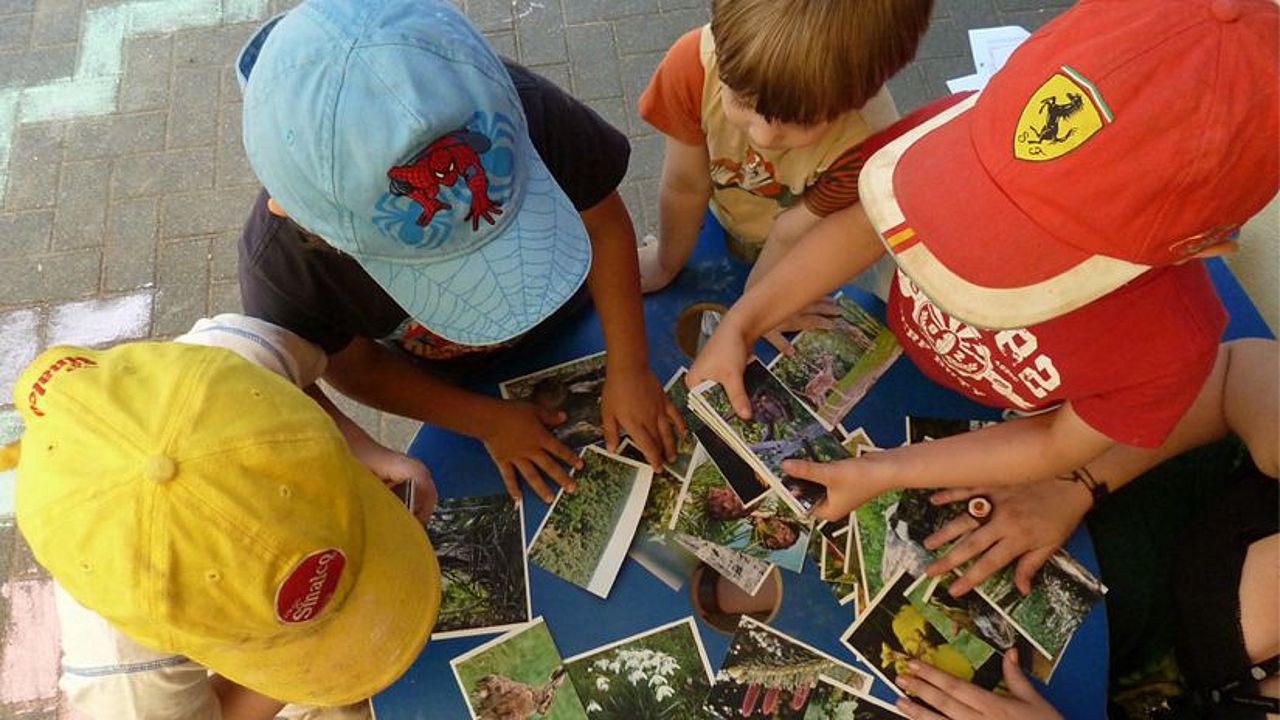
{"type": "Point", "coordinates": [964, 243]}
{"type": "Point", "coordinates": [512, 283]}
{"type": "Point", "coordinates": [373, 637]}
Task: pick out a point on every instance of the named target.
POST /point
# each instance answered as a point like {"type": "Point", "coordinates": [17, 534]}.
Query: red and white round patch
{"type": "Point", "coordinates": [303, 595]}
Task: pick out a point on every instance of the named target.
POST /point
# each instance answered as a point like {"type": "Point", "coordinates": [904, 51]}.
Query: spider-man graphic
{"type": "Point", "coordinates": [441, 164]}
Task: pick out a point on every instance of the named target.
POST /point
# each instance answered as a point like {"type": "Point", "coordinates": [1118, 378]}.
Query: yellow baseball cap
{"type": "Point", "coordinates": [206, 506]}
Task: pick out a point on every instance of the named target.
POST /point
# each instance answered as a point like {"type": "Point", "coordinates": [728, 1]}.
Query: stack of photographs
{"type": "Point", "coordinates": [832, 369]}
{"type": "Point", "coordinates": [586, 534]}
{"type": "Point", "coordinates": [781, 428]}
{"type": "Point", "coordinates": [769, 674]}
{"type": "Point", "coordinates": [484, 576]}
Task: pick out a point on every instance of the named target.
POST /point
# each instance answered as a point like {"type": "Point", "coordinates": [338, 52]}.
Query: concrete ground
{"type": "Point", "coordinates": [123, 185]}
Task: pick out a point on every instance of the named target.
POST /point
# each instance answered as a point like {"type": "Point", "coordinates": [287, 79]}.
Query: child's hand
{"type": "Point", "coordinates": [849, 483]}
{"type": "Point", "coordinates": [394, 468]}
{"type": "Point", "coordinates": [653, 276]}
{"type": "Point", "coordinates": [519, 442]}
{"type": "Point", "coordinates": [959, 700]}
{"type": "Point", "coordinates": [722, 359]}
{"type": "Point", "coordinates": [634, 401]}
{"type": "Point", "coordinates": [1028, 524]}
{"type": "Point", "coordinates": [818, 316]}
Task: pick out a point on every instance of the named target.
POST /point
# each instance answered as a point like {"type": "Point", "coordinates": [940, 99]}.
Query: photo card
{"type": "Point", "coordinates": [831, 700]}
{"type": "Point", "coordinates": [686, 442]}
{"type": "Point", "coordinates": [744, 571]}
{"type": "Point", "coordinates": [659, 673]}
{"type": "Point", "coordinates": [780, 428]}
{"type": "Point", "coordinates": [832, 369]}
{"type": "Point", "coordinates": [572, 387]}
{"type": "Point", "coordinates": [1062, 594]}
{"type": "Point", "coordinates": [654, 547]}
{"type": "Point", "coordinates": [521, 669]}
{"type": "Point", "coordinates": [770, 531]}
{"type": "Point", "coordinates": [586, 534]}
{"type": "Point", "coordinates": [484, 574]}
{"type": "Point", "coordinates": [770, 672]}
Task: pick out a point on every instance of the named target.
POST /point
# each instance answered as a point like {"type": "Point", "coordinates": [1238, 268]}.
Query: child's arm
{"type": "Point", "coordinates": [514, 433]}
{"type": "Point", "coordinates": [682, 203]}
{"type": "Point", "coordinates": [1018, 451]}
{"type": "Point", "coordinates": [633, 399]}
{"type": "Point", "coordinates": [839, 247]}
{"type": "Point", "coordinates": [390, 466]}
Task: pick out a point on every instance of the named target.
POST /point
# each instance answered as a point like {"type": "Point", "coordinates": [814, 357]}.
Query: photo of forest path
{"type": "Point", "coordinates": [769, 531]}
{"type": "Point", "coordinates": [769, 675]}
{"type": "Point", "coordinates": [479, 542]}
{"type": "Point", "coordinates": [577, 539]}
{"type": "Point", "coordinates": [831, 370]}
{"type": "Point", "coordinates": [662, 674]}
{"type": "Point", "coordinates": [520, 671]}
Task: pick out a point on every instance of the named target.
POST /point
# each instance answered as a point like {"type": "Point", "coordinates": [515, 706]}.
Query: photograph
{"type": "Point", "coordinates": [987, 622]}
{"type": "Point", "coordinates": [1062, 594]}
{"type": "Point", "coordinates": [780, 428]}
{"type": "Point", "coordinates": [853, 441]}
{"type": "Point", "coordinates": [749, 486]}
{"type": "Point", "coordinates": [845, 584]}
{"type": "Point", "coordinates": [832, 701]}
{"type": "Point", "coordinates": [770, 531]}
{"type": "Point", "coordinates": [744, 571]}
{"type": "Point", "coordinates": [518, 675]}
{"type": "Point", "coordinates": [654, 547]}
{"type": "Point", "coordinates": [573, 388]}
{"type": "Point", "coordinates": [891, 529]}
{"type": "Point", "coordinates": [960, 630]}
{"type": "Point", "coordinates": [921, 429]}
{"type": "Point", "coordinates": [768, 674]}
{"type": "Point", "coordinates": [686, 443]}
{"type": "Point", "coordinates": [661, 673]}
{"type": "Point", "coordinates": [832, 369]}
{"type": "Point", "coordinates": [586, 534]}
{"type": "Point", "coordinates": [895, 631]}
{"type": "Point", "coordinates": [484, 576]}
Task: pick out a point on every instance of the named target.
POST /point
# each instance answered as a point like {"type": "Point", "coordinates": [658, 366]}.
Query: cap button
{"type": "Point", "coordinates": [1226, 10]}
{"type": "Point", "coordinates": [159, 469]}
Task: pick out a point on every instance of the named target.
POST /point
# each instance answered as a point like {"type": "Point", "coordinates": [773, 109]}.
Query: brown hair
{"type": "Point", "coordinates": [809, 61]}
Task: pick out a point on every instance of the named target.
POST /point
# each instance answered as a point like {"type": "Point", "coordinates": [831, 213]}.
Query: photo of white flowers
{"type": "Point", "coordinates": [662, 673]}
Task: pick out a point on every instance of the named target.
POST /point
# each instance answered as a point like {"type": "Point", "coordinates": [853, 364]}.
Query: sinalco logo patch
{"type": "Point", "coordinates": [1061, 115]}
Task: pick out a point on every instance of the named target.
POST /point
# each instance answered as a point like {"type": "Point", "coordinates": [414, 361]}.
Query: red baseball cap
{"type": "Point", "coordinates": [1124, 135]}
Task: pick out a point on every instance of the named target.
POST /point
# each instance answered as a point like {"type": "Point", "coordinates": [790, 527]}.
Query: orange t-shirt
{"type": "Point", "coordinates": [752, 186]}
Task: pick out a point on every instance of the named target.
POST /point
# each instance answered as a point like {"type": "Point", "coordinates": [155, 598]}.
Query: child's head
{"type": "Point", "coordinates": [792, 66]}
{"type": "Point", "coordinates": [208, 507]}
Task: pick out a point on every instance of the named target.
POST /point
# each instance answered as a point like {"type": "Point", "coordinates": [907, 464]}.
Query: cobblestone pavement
{"type": "Point", "coordinates": [123, 184]}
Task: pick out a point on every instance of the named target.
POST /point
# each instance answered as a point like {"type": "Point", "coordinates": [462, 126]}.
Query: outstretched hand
{"type": "Point", "coordinates": [849, 483]}
{"type": "Point", "coordinates": [723, 360]}
{"type": "Point", "coordinates": [520, 442]}
{"type": "Point", "coordinates": [1028, 524]}
{"type": "Point", "coordinates": [955, 699]}
{"type": "Point", "coordinates": [635, 402]}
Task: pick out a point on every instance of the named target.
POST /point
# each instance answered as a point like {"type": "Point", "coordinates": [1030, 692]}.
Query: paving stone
{"type": "Point", "coordinates": [145, 82]}
{"type": "Point", "coordinates": [193, 113]}
{"type": "Point", "coordinates": [630, 193]}
{"type": "Point", "coordinates": [56, 22]}
{"type": "Point", "coordinates": [233, 166]}
{"type": "Point", "coordinates": [182, 286]}
{"type": "Point", "coordinates": [636, 72]}
{"type": "Point", "coordinates": [37, 65]}
{"type": "Point", "coordinates": [174, 171]}
{"type": "Point", "coordinates": [100, 321]}
{"type": "Point", "coordinates": [580, 11]}
{"type": "Point", "coordinates": [129, 253]}
{"type": "Point", "coordinates": [224, 297]}
{"type": "Point", "coordinates": [25, 233]}
{"type": "Point", "coordinates": [216, 46]}
{"type": "Point", "coordinates": [366, 417]}
{"type": "Point", "coordinates": [224, 257]}
{"type": "Point", "coordinates": [646, 157]}
{"type": "Point", "coordinates": [613, 110]}
{"type": "Point", "coordinates": [504, 43]}
{"type": "Point", "coordinates": [49, 278]}
{"type": "Point", "coordinates": [1032, 19]}
{"type": "Point", "coordinates": [558, 74]}
{"type": "Point", "coordinates": [19, 345]}
{"type": "Point", "coordinates": [397, 432]}
{"type": "Point", "coordinates": [969, 14]}
{"type": "Point", "coordinates": [33, 166]}
{"type": "Point", "coordinates": [908, 89]}
{"type": "Point", "coordinates": [491, 15]}
{"type": "Point", "coordinates": [112, 135]}
{"type": "Point", "coordinates": [655, 33]}
{"type": "Point", "coordinates": [944, 39]}
{"type": "Point", "coordinates": [205, 213]}
{"type": "Point", "coordinates": [540, 34]}
{"type": "Point", "coordinates": [593, 61]}
{"type": "Point", "coordinates": [80, 218]}
{"type": "Point", "coordinates": [681, 4]}
{"type": "Point", "coordinates": [15, 30]}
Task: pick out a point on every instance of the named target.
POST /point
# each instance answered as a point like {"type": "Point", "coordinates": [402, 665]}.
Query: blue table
{"type": "Point", "coordinates": [579, 621]}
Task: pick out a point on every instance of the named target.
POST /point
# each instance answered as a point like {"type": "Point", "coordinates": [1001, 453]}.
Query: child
{"type": "Point", "coordinates": [430, 210]}
{"type": "Point", "coordinates": [764, 112]}
{"type": "Point", "coordinates": [201, 514]}
{"type": "Point", "coordinates": [1045, 254]}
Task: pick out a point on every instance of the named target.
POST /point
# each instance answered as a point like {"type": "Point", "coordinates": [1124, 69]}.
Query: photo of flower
{"type": "Point", "coordinates": [662, 674]}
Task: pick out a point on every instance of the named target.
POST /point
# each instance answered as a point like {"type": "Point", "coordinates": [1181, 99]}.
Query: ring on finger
{"type": "Point", "coordinates": [980, 508]}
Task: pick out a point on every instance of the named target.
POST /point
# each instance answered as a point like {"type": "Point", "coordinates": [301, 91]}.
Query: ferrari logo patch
{"type": "Point", "coordinates": [1061, 116]}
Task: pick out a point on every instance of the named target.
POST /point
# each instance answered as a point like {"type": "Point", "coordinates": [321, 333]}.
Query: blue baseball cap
{"type": "Point", "coordinates": [392, 130]}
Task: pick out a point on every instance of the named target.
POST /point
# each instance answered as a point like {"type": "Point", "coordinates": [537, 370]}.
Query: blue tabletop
{"type": "Point", "coordinates": [579, 621]}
